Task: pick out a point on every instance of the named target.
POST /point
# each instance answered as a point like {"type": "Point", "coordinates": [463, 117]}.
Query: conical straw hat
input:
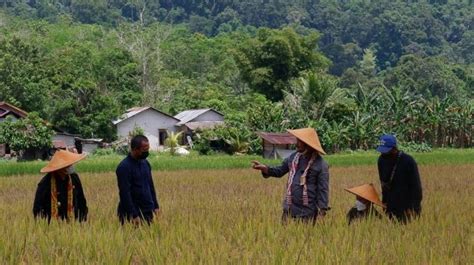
{"type": "Point", "coordinates": [368, 192]}
{"type": "Point", "coordinates": [62, 159]}
{"type": "Point", "coordinates": [310, 137]}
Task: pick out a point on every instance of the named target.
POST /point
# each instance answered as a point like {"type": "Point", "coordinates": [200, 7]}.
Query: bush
{"type": "Point", "coordinates": [416, 147]}
{"type": "Point", "coordinates": [104, 152]}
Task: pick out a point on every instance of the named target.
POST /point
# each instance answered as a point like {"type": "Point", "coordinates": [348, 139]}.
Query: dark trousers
{"type": "Point", "coordinates": [403, 216]}
{"type": "Point", "coordinates": [286, 217]}
{"type": "Point", "coordinates": [144, 216]}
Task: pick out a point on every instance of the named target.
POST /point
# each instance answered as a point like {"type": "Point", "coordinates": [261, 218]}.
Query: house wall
{"type": "Point", "coordinates": [209, 116]}
{"type": "Point", "coordinates": [151, 122]}
{"type": "Point", "coordinates": [68, 139]}
{"type": "Point", "coordinates": [281, 151]}
{"type": "Point", "coordinates": [89, 147]}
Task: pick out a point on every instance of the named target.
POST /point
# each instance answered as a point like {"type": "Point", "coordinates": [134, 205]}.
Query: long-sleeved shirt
{"type": "Point", "coordinates": [405, 191]}
{"type": "Point", "coordinates": [317, 180]}
{"type": "Point", "coordinates": [42, 203]}
{"type": "Point", "coordinates": [136, 188]}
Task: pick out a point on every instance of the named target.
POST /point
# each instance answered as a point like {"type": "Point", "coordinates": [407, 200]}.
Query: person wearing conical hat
{"type": "Point", "coordinates": [307, 188]}
{"type": "Point", "coordinates": [59, 194]}
{"type": "Point", "coordinates": [366, 198]}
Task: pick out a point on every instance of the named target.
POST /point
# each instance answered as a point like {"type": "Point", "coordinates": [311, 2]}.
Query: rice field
{"type": "Point", "coordinates": [232, 216]}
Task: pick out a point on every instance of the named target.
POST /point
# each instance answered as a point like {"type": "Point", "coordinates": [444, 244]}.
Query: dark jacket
{"type": "Point", "coordinates": [404, 193]}
{"type": "Point", "coordinates": [42, 203]}
{"type": "Point", "coordinates": [136, 188]}
{"type": "Point", "coordinates": [317, 181]}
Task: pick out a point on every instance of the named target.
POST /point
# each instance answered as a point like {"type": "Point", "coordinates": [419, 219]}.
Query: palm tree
{"type": "Point", "coordinates": [318, 93]}
{"type": "Point", "coordinates": [173, 141]}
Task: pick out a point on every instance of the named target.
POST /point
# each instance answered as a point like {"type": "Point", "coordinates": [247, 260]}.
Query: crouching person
{"type": "Point", "coordinates": [366, 198]}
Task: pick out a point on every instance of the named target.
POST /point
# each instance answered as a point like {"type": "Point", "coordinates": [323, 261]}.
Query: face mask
{"type": "Point", "coordinates": [144, 155]}
{"type": "Point", "coordinates": [71, 170]}
{"type": "Point", "coordinates": [360, 205]}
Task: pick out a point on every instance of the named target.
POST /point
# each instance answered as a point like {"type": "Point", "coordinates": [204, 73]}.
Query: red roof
{"type": "Point", "coordinates": [278, 138]}
{"type": "Point", "coordinates": [6, 109]}
{"type": "Point", "coordinates": [60, 144]}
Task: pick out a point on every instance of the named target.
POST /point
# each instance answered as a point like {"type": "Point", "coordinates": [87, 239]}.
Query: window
{"type": "Point", "coordinates": [162, 134]}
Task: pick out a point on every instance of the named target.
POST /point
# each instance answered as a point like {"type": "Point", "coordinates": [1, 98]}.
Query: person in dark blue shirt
{"type": "Point", "coordinates": [400, 179]}
{"type": "Point", "coordinates": [138, 200]}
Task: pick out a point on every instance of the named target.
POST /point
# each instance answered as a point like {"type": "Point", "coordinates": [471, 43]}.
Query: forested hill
{"type": "Point", "coordinates": [391, 28]}
{"type": "Point", "coordinates": [352, 69]}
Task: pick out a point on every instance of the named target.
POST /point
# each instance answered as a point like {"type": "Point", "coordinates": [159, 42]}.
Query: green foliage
{"type": "Point", "coordinates": [317, 96]}
{"type": "Point", "coordinates": [77, 83]}
{"type": "Point", "coordinates": [137, 130]}
{"type": "Point", "coordinates": [416, 147]}
{"type": "Point", "coordinates": [26, 134]}
{"type": "Point", "coordinates": [173, 141]}
{"type": "Point", "coordinates": [270, 60]}
{"type": "Point", "coordinates": [406, 67]}
{"type": "Point", "coordinates": [104, 152]}
{"type": "Point", "coordinates": [431, 76]}
{"type": "Point", "coordinates": [23, 76]}
{"type": "Point", "coordinates": [202, 142]}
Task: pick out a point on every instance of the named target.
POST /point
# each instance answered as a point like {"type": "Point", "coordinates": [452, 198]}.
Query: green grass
{"type": "Point", "coordinates": [98, 164]}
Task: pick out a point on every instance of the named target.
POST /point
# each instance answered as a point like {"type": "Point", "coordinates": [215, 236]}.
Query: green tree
{"type": "Point", "coordinates": [23, 80]}
{"type": "Point", "coordinates": [269, 61]}
{"type": "Point", "coordinates": [29, 133]}
{"type": "Point", "coordinates": [319, 97]}
{"type": "Point", "coordinates": [429, 76]}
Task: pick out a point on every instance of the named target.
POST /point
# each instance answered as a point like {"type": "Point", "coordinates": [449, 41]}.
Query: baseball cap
{"type": "Point", "coordinates": [387, 143]}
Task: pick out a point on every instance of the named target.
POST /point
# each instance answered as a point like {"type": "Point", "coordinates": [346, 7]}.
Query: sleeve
{"type": "Point", "coordinates": [322, 187]}
{"type": "Point", "coordinates": [416, 193]}
{"type": "Point", "coordinates": [379, 166]}
{"type": "Point", "coordinates": [278, 171]}
{"type": "Point", "coordinates": [152, 188]}
{"type": "Point", "coordinates": [40, 197]}
{"type": "Point", "coordinates": [81, 203]}
{"type": "Point", "coordinates": [124, 185]}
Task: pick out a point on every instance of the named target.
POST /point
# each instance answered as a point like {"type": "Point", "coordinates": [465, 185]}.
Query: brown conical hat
{"type": "Point", "coordinates": [62, 159]}
{"type": "Point", "coordinates": [368, 192]}
{"type": "Point", "coordinates": [310, 137]}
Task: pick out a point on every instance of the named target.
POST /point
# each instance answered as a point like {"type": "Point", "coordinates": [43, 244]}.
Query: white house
{"type": "Point", "coordinates": [61, 138]}
{"type": "Point", "coordinates": [156, 125]}
{"type": "Point", "coordinates": [199, 119]}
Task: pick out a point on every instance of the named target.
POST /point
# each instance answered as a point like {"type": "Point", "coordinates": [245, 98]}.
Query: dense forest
{"type": "Point", "coordinates": [351, 69]}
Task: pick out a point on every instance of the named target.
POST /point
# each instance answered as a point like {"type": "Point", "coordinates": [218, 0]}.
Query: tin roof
{"type": "Point", "coordinates": [137, 110]}
{"type": "Point", "coordinates": [277, 138]}
{"type": "Point", "coordinates": [189, 115]}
